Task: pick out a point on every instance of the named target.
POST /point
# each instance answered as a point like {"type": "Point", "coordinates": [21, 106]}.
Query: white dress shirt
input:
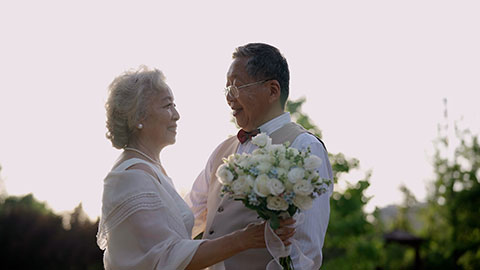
{"type": "Point", "coordinates": [311, 233]}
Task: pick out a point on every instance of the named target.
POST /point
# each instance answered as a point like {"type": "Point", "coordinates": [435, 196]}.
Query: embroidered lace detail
{"type": "Point", "coordinates": [137, 202]}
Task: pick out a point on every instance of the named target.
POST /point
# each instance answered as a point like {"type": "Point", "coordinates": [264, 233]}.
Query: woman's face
{"type": "Point", "coordinates": [160, 124]}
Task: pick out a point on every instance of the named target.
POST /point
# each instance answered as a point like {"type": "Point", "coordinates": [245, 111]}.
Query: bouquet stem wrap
{"type": "Point", "coordinates": [281, 253]}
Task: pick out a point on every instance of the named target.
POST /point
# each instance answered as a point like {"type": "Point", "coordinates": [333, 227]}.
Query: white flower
{"type": "Point", "coordinates": [261, 186]}
{"type": "Point", "coordinates": [224, 175]}
{"type": "Point", "coordinates": [231, 159]}
{"type": "Point", "coordinates": [295, 175]}
{"type": "Point", "coordinates": [303, 187]}
{"type": "Point", "coordinates": [275, 186]}
{"type": "Point", "coordinates": [263, 158]}
{"type": "Point", "coordinates": [281, 172]}
{"type": "Point", "coordinates": [285, 163]}
{"type": "Point", "coordinates": [242, 186]}
{"type": "Point", "coordinates": [312, 162]}
{"type": "Point", "coordinates": [238, 170]}
{"type": "Point", "coordinates": [277, 203]}
{"type": "Point", "coordinates": [262, 140]}
{"type": "Point", "coordinates": [264, 167]}
{"type": "Point", "coordinates": [258, 151]}
{"type": "Point", "coordinates": [277, 148]}
{"type": "Point", "coordinates": [250, 180]}
{"type": "Point", "coordinates": [294, 151]}
{"type": "Point", "coordinates": [245, 162]}
{"type": "Point", "coordinates": [302, 202]}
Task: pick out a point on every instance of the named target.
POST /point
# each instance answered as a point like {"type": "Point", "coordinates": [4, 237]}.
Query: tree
{"type": "Point", "coordinates": [352, 241]}
{"type": "Point", "coordinates": [33, 237]}
{"type": "Point", "coordinates": [402, 222]}
{"type": "Point", "coordinates": [453, 216]}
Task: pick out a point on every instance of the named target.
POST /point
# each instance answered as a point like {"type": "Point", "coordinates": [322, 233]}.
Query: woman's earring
{"type": "Point", "coordinates": [140, 126]}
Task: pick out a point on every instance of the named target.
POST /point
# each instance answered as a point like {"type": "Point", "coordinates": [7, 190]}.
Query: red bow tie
{"type": "Point", "coordinates": [244, 136]}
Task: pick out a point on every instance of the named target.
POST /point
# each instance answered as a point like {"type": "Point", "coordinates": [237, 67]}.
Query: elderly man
{"type": "Point", "coordinates": [257, 90]}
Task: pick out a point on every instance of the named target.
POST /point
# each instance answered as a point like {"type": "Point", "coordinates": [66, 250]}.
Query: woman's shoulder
{"type": "Point", "coordinates": [138, 178]}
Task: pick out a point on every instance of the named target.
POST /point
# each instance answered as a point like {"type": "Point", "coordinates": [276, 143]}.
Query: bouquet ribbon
{"type": "Point", "coordinates": [278, 250]}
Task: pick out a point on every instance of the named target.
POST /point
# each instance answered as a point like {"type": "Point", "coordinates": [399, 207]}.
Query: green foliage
{"type": "Point", "coordinates": [402, 221]}
{"type": "Point", "coordinates": [453, 217]}
{"type": "Point", "coordinates": [294, 108]}
{"type": "Point", "coordinates": [351, 242]}
{"type": "Point", "coordinates": [33, 237]}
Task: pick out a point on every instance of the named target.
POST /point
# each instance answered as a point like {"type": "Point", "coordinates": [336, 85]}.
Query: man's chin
{"type": "Point", "coordinates": [241, 124]}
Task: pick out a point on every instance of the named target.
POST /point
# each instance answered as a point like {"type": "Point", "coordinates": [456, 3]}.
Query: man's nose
{"type": "Point", "coordinates": [230, 97]}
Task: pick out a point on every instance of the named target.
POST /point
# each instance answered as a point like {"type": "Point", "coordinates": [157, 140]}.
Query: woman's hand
{"type": "Point", "coordinates": [253, 236]}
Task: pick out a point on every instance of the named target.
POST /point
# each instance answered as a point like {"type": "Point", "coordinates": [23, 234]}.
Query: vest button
{"type": "Point", "coordinates": [220, 209]}
{"type": "Point", "coordinates": [211, 232]}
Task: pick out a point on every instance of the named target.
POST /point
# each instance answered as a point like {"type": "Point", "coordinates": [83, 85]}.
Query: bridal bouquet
{"type": "Point", "coordinates": [275, 180]}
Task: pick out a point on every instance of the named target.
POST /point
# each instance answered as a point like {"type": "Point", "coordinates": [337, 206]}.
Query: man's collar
{"type": "Point", "coordinates": [276, 123]}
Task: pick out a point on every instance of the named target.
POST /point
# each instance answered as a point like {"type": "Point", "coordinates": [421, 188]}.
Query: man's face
{"type": "Point", "coordinates": [251, 107]}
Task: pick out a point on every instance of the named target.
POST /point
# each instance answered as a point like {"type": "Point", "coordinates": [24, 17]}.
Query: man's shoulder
{"type": "Point", "coordinates": [225, 143]}
{"type": "Point", "coordinates": [308, 139]}
{"type": "Point", "coordinates": [223, 146]}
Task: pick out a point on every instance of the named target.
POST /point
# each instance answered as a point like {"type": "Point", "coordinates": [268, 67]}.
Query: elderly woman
{"type": "Point", "coordinates": [145, 224]}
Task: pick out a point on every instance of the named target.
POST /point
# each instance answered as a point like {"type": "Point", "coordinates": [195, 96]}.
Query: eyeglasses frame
{"type": "Point", "coordinates": [229, 89]}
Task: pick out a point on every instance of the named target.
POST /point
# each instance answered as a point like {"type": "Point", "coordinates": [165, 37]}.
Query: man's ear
{"type": "Point", "coordinates": [275, 90]}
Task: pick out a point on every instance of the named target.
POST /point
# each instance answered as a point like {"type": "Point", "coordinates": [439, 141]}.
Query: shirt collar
{"type": "Point", "coordinates": [276, 123]}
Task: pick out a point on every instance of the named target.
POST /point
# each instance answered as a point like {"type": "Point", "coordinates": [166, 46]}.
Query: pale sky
{"type": "Point", "coordinates": [374, 74]}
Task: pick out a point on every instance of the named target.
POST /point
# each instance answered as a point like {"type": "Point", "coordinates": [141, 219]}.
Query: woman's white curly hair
{"type": "Point", "coordinates": [128, 98]}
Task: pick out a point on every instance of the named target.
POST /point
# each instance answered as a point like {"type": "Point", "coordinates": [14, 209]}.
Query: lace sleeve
{"type": "Point", "coordinates": [124, 193]}
{"type": "Point", "coordinates": [150, 239]}
{"type": "Point", "coordinates": [120, 212]}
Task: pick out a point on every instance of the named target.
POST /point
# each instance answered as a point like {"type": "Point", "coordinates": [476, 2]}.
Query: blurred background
{"type": "Point", "coordinates": [391, 87]}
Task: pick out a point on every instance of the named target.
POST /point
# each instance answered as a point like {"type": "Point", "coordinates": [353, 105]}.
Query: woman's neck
{"type": "Point", "coordinates": [150, 151]}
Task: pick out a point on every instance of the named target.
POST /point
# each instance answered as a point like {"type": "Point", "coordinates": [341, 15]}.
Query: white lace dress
{"type": "Point", "coordinates": [145, 224]}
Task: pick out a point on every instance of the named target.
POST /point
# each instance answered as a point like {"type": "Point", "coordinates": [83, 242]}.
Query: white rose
{"type": "Point", "coordinates": [275, 186]}
{"type": "Point", "coordinates": [262, 158]}
{"type": "Point", "coordinates": [245, 162]}
{"type": "Point", "coordinates": [294, 151]}
{"type": "Point", "coordinates": [250, 180]}
{"type": "Point", "coordinates": [238, 170]}
{"type": "Point", "coordinates": [278, 148]}
{"type": "Point", "coordinates": [281, 172]}
{"type": "Point", "coordinates": [312, 162]}
{"type": "Point", "coordinates": [264, 167]}
{"type": "Point", "coordinates": [285, 163]}
{"type": "Point", "coordinates": [231, 159]}
{"type": "Point", "coordinates": [241, 186]}
{"type": "Point", "coordinates": [261, 186]}
{"type": "Point", "coordinates": [302, 202]}
{"type": "Point", "coordinates": [258, 151]}
{"type": "Point", "coordinates": [224, 175]}
{"type": "Point", "coordinates": [277, 203]}
{"type": "Point", "coordinates": [262, 140]}
{"type": "Point", "coordinates": [303, 187]}
{"type": "Point", "coordinates": [295, 175]}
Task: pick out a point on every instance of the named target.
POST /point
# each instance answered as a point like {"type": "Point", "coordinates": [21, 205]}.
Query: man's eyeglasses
{"type": "Point", "coordinates": [232, 90]}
